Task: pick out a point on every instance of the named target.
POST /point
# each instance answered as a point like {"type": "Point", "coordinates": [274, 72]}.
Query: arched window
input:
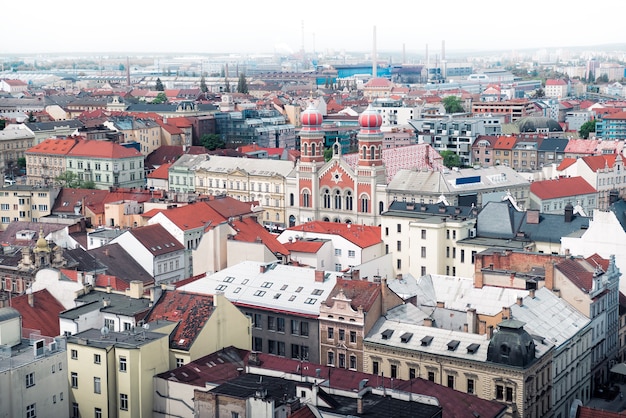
{"type": "Point", "coordinates": [372, 152]}
{"type": "Point", "coordinates": [381, 207]}
{"type": "Point", "coordinates": [305, 148]}
{"type": "Point", "coordinates": [326, 198]}
{"type": "Point", "coordinates": [325, 219]}
{"type": "Point", "coordinates": [337, 199]}
{"type": "Point", "coordinates": [364, 153]}
{"type": "Point", "coordinates": [336, 149]}
{"type": "Point", "coordinates": [365, 204]}
{"type": "Point", "coordinates": [337, 220]}
{"type": "Point", "coordinates": [313, 150]}
{"type": "Point", "coordinates": [349, 200]}
{"type": "Point", "coordinates": [306, 199]}
{"type": "Point", "coordinates": [292, 221]}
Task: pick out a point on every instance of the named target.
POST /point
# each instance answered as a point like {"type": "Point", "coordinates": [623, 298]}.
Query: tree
{"type": "Point", "coordinates": [328, 153]}
{"type": "Point", "coordinates": [539, 93]}
{"type": "Point", "coordinates": [226, 85]}
{"type": "Point", "coordinates": [242, 84]}
{"type": "Point", "coordinates": [212, 142]}
{"type": "Point", "coordinates": [452, 104]}
{"type": "Point", "coordinates": [604, 78]}
{"type": "Point", "coordinates": [3, 124]}
{"type": "Point", "coordinates": [586, 128]}
{"type": "Point", "coordinates": [21, 162]}
{"type": "Point", "coordinates": [203, 86]}
{"type": "Point", "coordinates": [450, 159]}
{"type": "Point", "coordinates": [161, 98]}
{"type": "Point", "coordinates": [159, 85]}
{"type": "Point", "coordinates": [70, 180]}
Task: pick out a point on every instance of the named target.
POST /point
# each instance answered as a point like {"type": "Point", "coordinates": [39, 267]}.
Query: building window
{"type": "Point", "coordinates": [423, 234]}
{"type": "Point", "coordinates": [331, 333]}
{"type": "Point", "coordinates": [75, 410]}
{"type": "Point", "coordinates": [394, 371]}
{"type": "Point", "coordinates": [30, 379]}
{"type": "Point", "coordinates": [353, 362]}
{"type": "Point", "coordinates": [31, 411]}
{"type": "Point", "coordinates": [122, 364]}
{"type": "Point", "coordinates": [470, 386]}
{"type": "Point", "coordinates": [271, 346]}
{"type": "Point", "coordinates": [509, 394]}
{"type": "Point", "coordinates": [123, 401]}
{"type": "Point", "coordinates": [257, 320]}
{"type": "Point", "coordinates": [462, 256]}
{"type": "Point", "coordinates": [280, 324]}
{"type": "Point", "coordinates": [451, 381]}
{"type": "Point", "coordinates": [353, 337]}
{"type": "Point", "coordinates": [412, 373]}
{"type": "Point", "coordinates": [399, 227]}
{"type": "Point", "coordinates": [423, 252]}
{"type": "Point", "coordinates": [74, 380]}
{"type": "Point", "coordinates": [74, 354]}
{"type": "Point", "coordinates": [331, 358]}
{"type": "Point", "coordinates": [271, 323]}
{"type": "Point", "coordinates": [96, 385]}
{"type": "Point", "coordinates": [499, 392]}
{"type": "Point", "coordinates": [180, 362]}
{"type": "Point", "coordinates": [351, 253]}
{"type": "Point", "coordinates": [375, 367]}
{"type": "Point", "coordinates": [399, 246]}
{"type": "Point", "coordinates": [295, 327]}
{"type": "Point", "coordinates": [96, 359]}
{"type": "Point", "coordinates": [431, 376]}
{"type": "Point", "coordinates": [304, 329]}
{"type": "Point", "coordinates": [398, 263]}
{"type": "Point", "coordinates": [281, 348]}
{"type": "Point", "coordinates": [342, 334]}
{"type": "Point", "coordinates": [97, 413]}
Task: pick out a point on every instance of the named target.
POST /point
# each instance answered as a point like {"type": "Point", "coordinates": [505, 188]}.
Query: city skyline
{"type": "Point", "coordinates": [324, 27]}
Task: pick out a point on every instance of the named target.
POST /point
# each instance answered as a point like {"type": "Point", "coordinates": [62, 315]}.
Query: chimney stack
{"type": "Point", "coordinates": [428, 322]}
{"type": "Point", "coordinates": [506, 313]}
{"type": "Point", "coordinates": [520, 301]}
{"type": "Point", "coordinates": [531, 293]}
{"type": "Point", "coordinates": [319, 276]}
{"type": "Point", "coordinates": [31, 300]}
{"type": "Point", "coordinates": [359, 405]}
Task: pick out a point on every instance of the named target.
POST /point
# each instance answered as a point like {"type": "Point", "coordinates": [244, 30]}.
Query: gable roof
{"type": "Point", "coordinates": [102, 149]}
{"type": "Point", "coordinates": [561, 187]}
{"type": "Point", "coordinates": [194, 215]}
{"type": "Point", "coordinates": [306, 245]}
{"type": "Point", "coordinates": [249, 230]}
{"type": "Point", "coordinates": [581, 275]}
{"type": "Point", "coordinates": [599, 162]}
{"type": "Point", "coordinates": [190, 310]}
{"type": "Point", "coordinates": [362, 236]}
{"type": "Point", "coordinates": [117, 262]}
{"type": "Point", "coordinates": [228, 206]}
{"type": "Point", "coordinates": [43, 315]}
{"type": "Point", "coordinates": [53, 147]}
{"type": "Point", "coordinates": [362, 293]}
{"type": "Point", "coordinates": [156, 239]}
{"type": "Point", "coordinates": [162, 172]}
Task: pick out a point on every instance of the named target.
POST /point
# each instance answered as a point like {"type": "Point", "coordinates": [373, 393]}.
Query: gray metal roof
{"type": "Point", "coordinates": [8, 313]}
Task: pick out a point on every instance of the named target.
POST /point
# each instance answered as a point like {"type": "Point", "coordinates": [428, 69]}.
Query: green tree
{"type": "Point", "coordinates": [604, 78]}
{"type": "Point", "coordinates": [586, 128]}
{"type": "Point", "coordinates": [21, 162]}
{"type": "Point", "coordinates": [450, 159]}
{"type": "Point", "coordinates": [68, 179]}
{"type": "Point", "coordinates": [160, 98]}
{"type": "Point", "coordinates": [226, 85]}
{"type": "Point", "coordinates": [328, 153]}
{"type": "Point", "coordinates": [3, 124]}
{"type": "Point", "coordinates": [159, 85]}
{"type": "Point", "coordinates": [452, 104]}
{"type": "Point", "coordinates": [203, 86]}
{"type": "Point", "coordinates": [242, 84]}
{"type": "Point", "coordinates": [89, 184]}
{"type": "Point", "coordinates": [539, 93]}
{"type": "Point", "coordinates": [212, 142]}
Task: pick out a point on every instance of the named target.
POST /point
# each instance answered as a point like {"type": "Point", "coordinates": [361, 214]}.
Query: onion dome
{"type": "Point", "coordinates": [311, 118]}
{"type": "Point", "coordinates": [370, 119]}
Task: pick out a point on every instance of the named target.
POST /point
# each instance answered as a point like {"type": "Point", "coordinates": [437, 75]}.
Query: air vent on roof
{"type": "Point", "coordinates": [472, 348]}
{"type": "Point", "coordinates": [427, 340]}
{"type": "Point", "coordinates": [386, 334]}
{"type": "Point", "coordinates": [452, 345]}
{"type": "Point", "coordinates": [406, 337]}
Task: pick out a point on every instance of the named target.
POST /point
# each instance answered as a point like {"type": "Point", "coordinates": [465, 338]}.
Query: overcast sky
{"type": "Point", "coordinates": [253, 26]}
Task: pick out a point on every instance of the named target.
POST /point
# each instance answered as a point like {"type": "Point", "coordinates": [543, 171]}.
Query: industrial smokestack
{"type": "Point", "coordinates": [374, 57]}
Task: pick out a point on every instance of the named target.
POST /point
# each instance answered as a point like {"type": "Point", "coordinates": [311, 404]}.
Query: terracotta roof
{"type": "Point", "coordinates": [156, 239]}
{"type": "Point", "coordinates": [599, 162]}
{"type": "Point", "coordinates": [555, 82]}
{"type": "Point", "coordinates": [505, 142]}
{"type": "Point", "coordinates": [596, 260]}
{"type": "Point", "coordinates": [580, 275]}
{"type": "Point", "coordinates": [162, 172]}
{"type": "Point", "coordinates": [43, 315]}
{"type": "Point", "coordinates": [588, 412]}
{"type": "Point", "coordinates": [228, 206]}
{"type": "Point", "coordinates": [305, 245]}
{"type": "Point", "coordinates": [581, 146]}
{"type": "Point", "coordinates": [249, 230]}
{"type": "Point", "coordinates": [106, 280]}
{"type": "Point", "coordinates": [562, 187]}
{"type": "Point", "coordinates": [619, 115]}
{"type": "Point", "coordinates": [567, 162]}
{"type": "Point", "coordinates": [190, 310]}
{"type": "Point", "coordinates": [360, 235]}
{"type": "Point", "coordinates": [14, 82]}
{"type": "Point", "coordinates": [195, 215]}
{"type": "Point", "coordinates": [102, 149]}
{"type": "Point", "coordinates": [361, 293]}
{"type": "Point", "coordinates": [188, 280]}
{"type": "Point", "coordinates": [53, 147]}
{"type": "Point", "coordinates": [180, 122]}
{"type": "Point", "coordinates": [378, 82]}
{"type": "Point", "coordinates": [164, 154]}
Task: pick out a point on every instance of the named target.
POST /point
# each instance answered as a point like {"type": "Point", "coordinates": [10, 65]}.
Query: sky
{"type": "Point", "coordinates": [253, 26]}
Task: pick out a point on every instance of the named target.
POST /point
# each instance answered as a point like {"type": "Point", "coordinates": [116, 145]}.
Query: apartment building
{"type": "Point", "coordinates": [47, 160]}
{"type": "Point", "coordinates": [509, 110]}
{"type": "Point", "coordinates": [25, 204]}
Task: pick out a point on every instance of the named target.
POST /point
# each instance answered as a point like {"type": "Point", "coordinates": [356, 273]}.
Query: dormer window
{"type": "Point", "coordinates": [386, 334]}
{"type": "Point", "coordinates": [452, 345]}
{"type": "Point", "coordinates": [406, 337]}
{"type": "Point", "coordinates": [427, 340]}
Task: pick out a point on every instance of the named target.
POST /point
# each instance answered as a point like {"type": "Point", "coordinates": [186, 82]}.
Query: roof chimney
{"type": "Point", "coordinates": [428, 322]}
{"type": "Point", "coordinates": [531, 293]}
{"type": "Point", "coordinates": [569, 213]}
{"type": "Point", "coordinates": [319, 276]}
{"type": "Point", "coordinates": [31, 300]}
{"type": "Point", "coordinates": [532, 216]}
{"type": "Point", "coordinates": [506, 312]}
{"type": "Point", "coordinates": [520, 301]}
{"type": "Point", "coordinates": [359, 405]}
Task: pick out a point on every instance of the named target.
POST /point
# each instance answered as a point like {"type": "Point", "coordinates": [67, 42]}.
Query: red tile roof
{"type": "Point", "coordinates": [361, 293]}
{"type": "Point", "coordinates": [580, 275]}
{"type": "Point", "coordinates": [596, 260]}
{"type": "Point", "coordinates": [53, 147]}
{"type": "Point", "coordinates": [106, 280]}
{"type": "Point", "coordinates": [43, 315]}
{"type": "Point", "coordinates": [190, 310]}
{"type": "Point", "coordinates": [305, 246]}
{"type": "Point", "coordinates": [567, 162]}
{"type": "Point", "coordinates": [589, 412]}
{"type": "Point", "coordinates": [581, 146]}
{"type": "Point", "coordinates": [249, 230]}
{"type": "Point", "coordinates": [562, 187]}
{"type": "Point", "coordinates": [162, 172]}
{"type": "Point", "coordinates": [14, 82]}
{"type": "Point", "coordinates": [555, 82]}
{"type": "Point", "coordinates": [360, 235]}
{"type": "Point", "coordinates": [230, 207]}
{"type": "Point", "coordinates": [505, 142]}
{"type": "Point", "coordinates": [102, 149]}
{"type": "Point", "coordinates": [194, 215]}
{"type": "Point", "coordinates": [600, 162]}
{"type": "Point", "coordinates": [619, 115]}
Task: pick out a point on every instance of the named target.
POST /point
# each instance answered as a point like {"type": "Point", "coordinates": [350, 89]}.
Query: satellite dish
{"type": "Point", "coordinates": [104, 331]}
